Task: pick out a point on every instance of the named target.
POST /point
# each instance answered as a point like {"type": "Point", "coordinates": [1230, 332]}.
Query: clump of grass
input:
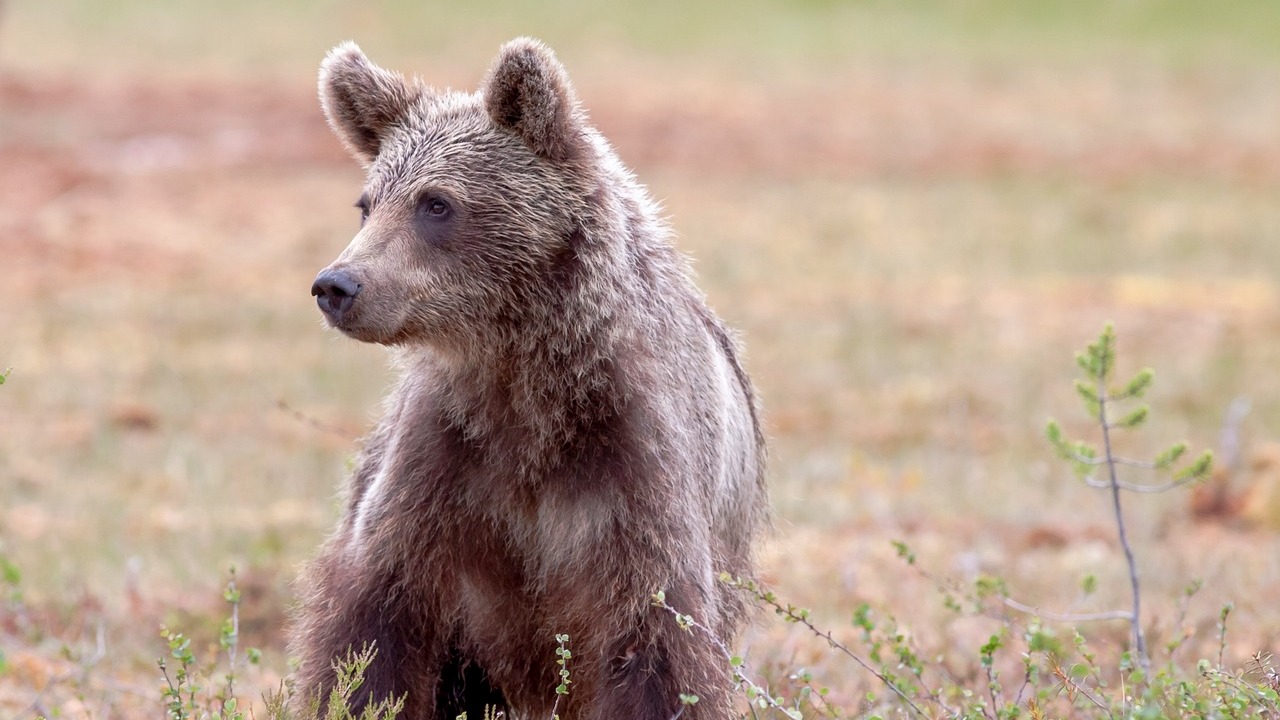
{"type": "Point", "coordinates": [191, 693]}
{"type": "Point", "coordinates": [188, 694]}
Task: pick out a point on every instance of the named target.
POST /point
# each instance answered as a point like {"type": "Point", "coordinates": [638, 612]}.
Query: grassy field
{"type": "Point", "coordinates": [915, 213]}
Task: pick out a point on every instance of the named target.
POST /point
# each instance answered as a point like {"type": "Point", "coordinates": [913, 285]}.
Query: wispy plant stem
{"type": "Point", "coordinates": [1135, 620]}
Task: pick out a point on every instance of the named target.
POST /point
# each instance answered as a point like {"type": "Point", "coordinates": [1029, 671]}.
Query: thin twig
{"type": "Point", "coordinates": [1222, 631]}
{"type": "Point", "coordinates": [1066, 617]}
{"type": "Point", "coordinates": [948, 586]}
{"type": "Point", "coordinates": [306, 419]}
{"type": "Point", "coordinates": [1071, 686]}
{"type": "Point", "coordinates": [739, 673]}
{"type": "Point", "coordinates": [1133, 487]}
{"type": "Point", "coordinates": [233, 639]}
{"type": "Point", "coordinates": [1229, 439]}
{"type": "Point", "coordinates": [1184, 605]}
{"type": "Point", "coordinates": [835, 644]}
{"type": "Point", "coordinates": [1135, 622]}
{"type": "Point", "coordinates": [993, 687]}
{"type": "Point", "coordinates": [1118, 460]}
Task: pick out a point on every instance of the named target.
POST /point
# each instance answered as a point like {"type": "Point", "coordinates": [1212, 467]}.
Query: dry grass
{"type": "Point", "coordinates": [913, 237]}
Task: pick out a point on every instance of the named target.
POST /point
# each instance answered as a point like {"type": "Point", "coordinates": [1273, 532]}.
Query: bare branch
{"type": "Point", "coordinates": [1229, 438]}
{"type": "Point", "coordinates": [1117, 460]}
{"type": "Point", "coordinates": [1134, 487]}
{"type": "Point", "coordinates": [1066, 617]}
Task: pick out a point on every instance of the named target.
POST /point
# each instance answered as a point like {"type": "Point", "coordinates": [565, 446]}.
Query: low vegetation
{"type": "Point", "coordinates": [1034, 664]}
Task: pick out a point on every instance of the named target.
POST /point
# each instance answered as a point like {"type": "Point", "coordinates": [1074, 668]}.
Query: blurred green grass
{"type": "Point", "coordinates": [242, 36]}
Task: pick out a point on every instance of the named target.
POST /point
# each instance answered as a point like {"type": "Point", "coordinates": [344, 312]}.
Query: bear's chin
{"type": "Point", "coordinates": [356, 331]}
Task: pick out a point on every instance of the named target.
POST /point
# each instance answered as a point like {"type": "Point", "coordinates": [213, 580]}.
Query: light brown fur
{"type": "Point", "coordinates": [572, 430]}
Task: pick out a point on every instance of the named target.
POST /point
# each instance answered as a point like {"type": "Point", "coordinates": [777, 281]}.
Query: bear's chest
{"type": "Point", "coordinates": [468, 500]}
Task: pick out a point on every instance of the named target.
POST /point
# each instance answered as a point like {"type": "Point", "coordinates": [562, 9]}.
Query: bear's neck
{"type": "Point", "coordinates": [559, 376]}
{"type": "Point", "coordinates": [527, 407]}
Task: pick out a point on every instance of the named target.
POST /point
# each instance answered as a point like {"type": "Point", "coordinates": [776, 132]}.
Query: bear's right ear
{"type": "Point", "coordinates": [361, 100]}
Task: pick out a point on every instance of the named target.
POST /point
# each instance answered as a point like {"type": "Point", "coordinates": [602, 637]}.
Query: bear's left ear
{"type": "Point", "coordinates": [528, 92]}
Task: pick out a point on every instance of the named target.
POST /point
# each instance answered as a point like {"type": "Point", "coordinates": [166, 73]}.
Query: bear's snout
{"type": "Point", "coordinates": [335, 292]}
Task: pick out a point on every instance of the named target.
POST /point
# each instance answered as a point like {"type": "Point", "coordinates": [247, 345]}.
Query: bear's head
{"type": "Point", "coordinates": [472, 205]}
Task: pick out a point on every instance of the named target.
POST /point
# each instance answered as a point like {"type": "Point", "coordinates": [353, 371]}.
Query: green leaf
{"type": "Point", "coordinates": [1053, 431]}
{"type": "Point", "coordinates": [904, 552]}
{"type": "Point", "coordinates": [1081, 454]}
{"type": "Point", "coordinates": [1105, 352]}
{"type": "Point", "coordinates": [988, 650]}
{"type": "Point", "coordinates": [1170, 456]}
{"type": "Point", "coordinates": [1087, 363]}
{"type": "Point", "coordinates": [1089, 584]}
{"type": "Point", "coordinates": [862, 617]}
{"type": "Point", "coordinates": [1138, 386]}
{"type": "Point", "coordinates": [1135, 418]}
{"type": "Point", "coordinates": [1193, 587]}
{"type": "Point", "coordinates": [10, 572]}
{"type": "Point", "coordinates": [1198, 469]}
{"type": "Point", "coordinates": [987, 585]}
{"type": "Point", "coordinates": [1087, 391]}
{"type": "Point", "coordinates": [1043, 640]}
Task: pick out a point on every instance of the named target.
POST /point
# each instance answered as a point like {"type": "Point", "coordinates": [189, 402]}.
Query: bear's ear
{"type": "Point", "coordinates": [361, 100]}
{"type": "Point", "coordinates": [528, 92]}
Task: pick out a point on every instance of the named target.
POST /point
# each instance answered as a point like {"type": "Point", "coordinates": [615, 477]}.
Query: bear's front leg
{"type": "Point", "coordinates": [346, 609]}
{"type": "Point", "coordinates": [646, 674]}
{"type": "Point", "coordinates": [632, 659]}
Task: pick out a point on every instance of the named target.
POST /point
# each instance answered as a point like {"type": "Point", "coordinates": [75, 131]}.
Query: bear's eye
{"type": "Point", "coordinates": [434, 207]}
{"type": "Point", "coordinates": [363, 204]}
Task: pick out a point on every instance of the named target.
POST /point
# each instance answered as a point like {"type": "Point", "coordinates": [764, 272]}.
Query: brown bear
{"type": "Point", "coordinates": [572, 430]}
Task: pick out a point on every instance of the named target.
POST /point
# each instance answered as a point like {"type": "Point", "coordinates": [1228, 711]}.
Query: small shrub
{"type": "Point", "coordinates": [190, 693]}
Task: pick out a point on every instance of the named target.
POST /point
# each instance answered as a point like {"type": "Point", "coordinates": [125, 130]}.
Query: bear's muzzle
{"type": "Point", "coordinates": [335, 292]}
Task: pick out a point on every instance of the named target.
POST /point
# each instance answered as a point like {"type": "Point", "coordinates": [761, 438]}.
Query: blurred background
{"type": "Point", "coordinates": [915, 213]}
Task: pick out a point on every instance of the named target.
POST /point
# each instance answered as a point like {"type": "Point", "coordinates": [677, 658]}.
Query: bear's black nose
{"type": "Point", "coordinates": [335, 291]}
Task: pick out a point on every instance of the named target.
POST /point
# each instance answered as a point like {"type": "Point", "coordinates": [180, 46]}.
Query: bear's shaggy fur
{"type": "Point", "coordinates": [572, 430]}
